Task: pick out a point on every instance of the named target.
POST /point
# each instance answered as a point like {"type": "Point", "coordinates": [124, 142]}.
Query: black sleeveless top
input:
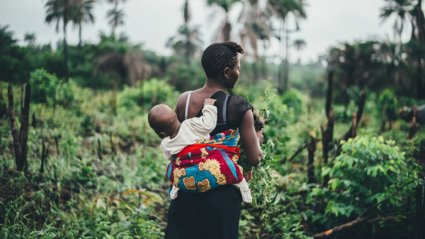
{"type": "Point", "coordinates": [230, 111]}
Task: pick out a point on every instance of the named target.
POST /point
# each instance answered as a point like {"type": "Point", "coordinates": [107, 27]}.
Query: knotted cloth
{"type": "Point", "coordinates": [207, 165]}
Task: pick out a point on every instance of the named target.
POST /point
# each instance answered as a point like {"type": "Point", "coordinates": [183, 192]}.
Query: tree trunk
{"type": "Point", "coordinates": [65, 49]}
{"type": "Point", "coordinates": [226, 30]}
{"type": "Point", "coordinates": [80, 34]}
{"type": "Point", "coordinates": [419, 80]}
{"type": "Point", "coordinates": [286, 63]}
{"type": "Point", "coordinates": [3, 111]}
{"type": "Point", "coordinates": [357, 116]}
{"type": "Point", "coordinates": [420, 21]}
{"type": "Point", "coordinates": [14, 131]}
{"type": "Point", "coordinates": [327, 133]}
{"type": "Point", "coordinates": [413, 125]}
{"type": "Point", "coordinates": [280, 83]}
{"type": "Point", "coordinates": [20, 137]}
{"type": "Point", "coordinates": [310, 164]}
{"type": "Point", "coordinates": [420, 211]}
{"type": "Point", "coordinates": [43, 156]}
{"type": "Point", "coordinates": [23, 134]}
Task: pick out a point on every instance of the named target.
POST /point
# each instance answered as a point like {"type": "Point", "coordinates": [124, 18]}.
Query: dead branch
{"type": "Point", "coordinates": [348, 225]}
{"type": "Point", "coordinates": [23, 133]}
{"type": "Point", "coordinates": [14, 131]}
{"type": "Point", "coordinates": [339, 228]}
{"type": "Point", "coordinates": [327, 133]}
{"type": "Point", "coordinates": [413, 126]}
{"type": "Point", "coordinates": [298, 151]}
{"type": "Point", "coordinates": [357, 117]}
{"type": "Point", "coordinates": [310, 164]}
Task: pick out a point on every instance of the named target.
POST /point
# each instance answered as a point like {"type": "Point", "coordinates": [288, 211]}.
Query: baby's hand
{"type": "Point", "coordinates": [209, 101]}
{"type": "Point", "coordinates": [247, 175]}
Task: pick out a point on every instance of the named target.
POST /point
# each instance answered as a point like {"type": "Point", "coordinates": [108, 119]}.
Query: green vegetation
{"type": "Point", "coordinates": [344, 152]}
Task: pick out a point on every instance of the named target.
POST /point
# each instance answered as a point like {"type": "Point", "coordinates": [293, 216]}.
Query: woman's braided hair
{"type": "Point", "coordinates": [218, 56]}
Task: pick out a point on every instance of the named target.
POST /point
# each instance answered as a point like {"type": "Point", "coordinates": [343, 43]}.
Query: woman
{"type": "Point", "coordinates": [215, 213]}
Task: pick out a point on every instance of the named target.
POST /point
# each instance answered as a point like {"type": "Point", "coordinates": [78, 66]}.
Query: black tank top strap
{"type": "Point", "coordinates": [236, 105]}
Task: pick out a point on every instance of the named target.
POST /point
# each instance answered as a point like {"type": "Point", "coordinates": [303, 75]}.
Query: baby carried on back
{"type": "Point", "coordinates": [198, 162]}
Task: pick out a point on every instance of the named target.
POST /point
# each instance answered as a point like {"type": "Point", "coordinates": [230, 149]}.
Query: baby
{"type": "Point", "coordinates": [176, 136]}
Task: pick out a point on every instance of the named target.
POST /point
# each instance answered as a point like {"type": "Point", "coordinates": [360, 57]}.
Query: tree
{"type": "Point", "coordinates": [299, 45]}
{"type": "Point", "coordinates": [115, 15]}
{"type": "Point", "coordinates": [30, 38]}
{"type": "Point", "coordinates": [283, 9]}
{"type": "Point", "coordinates": [400, 10]}
{"type": "Point", "coordinates": [14, 66]}
{"type": "Point", "coordinates": [82, 12]}
{"type": "Point", "coordinates": [122, 61]}
{"type": "Point", "coordinates": [60, 11]}
{"type": "Point", "coordinates": [418, 40]}
{"type": "Point", "coordinates": [412, 10]}
{"type": "Point", "coordinates": [256, 27]}
{"type": "Point", "coordinates": [188, 41]}
{"type": "Point", "coordinates": [225, 5]}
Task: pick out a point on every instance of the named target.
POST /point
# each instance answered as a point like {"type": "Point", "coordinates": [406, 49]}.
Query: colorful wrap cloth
{"type": "Point", "coordinates": [207, 165]}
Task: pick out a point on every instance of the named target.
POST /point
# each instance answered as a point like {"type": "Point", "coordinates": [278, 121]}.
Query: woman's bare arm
{"type": "Point", "coordinates": [249, 139]}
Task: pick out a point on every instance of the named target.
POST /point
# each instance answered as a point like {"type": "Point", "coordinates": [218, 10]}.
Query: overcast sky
{"type": "Point", "coordinates": [152, 22]}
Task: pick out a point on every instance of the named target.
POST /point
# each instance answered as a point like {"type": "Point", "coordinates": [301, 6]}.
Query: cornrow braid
{"type": "Point", "coordinates": [218, 56]}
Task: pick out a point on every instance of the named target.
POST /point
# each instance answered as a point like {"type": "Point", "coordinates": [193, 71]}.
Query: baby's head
{"type": "Point", "coordinates": [163, 120]}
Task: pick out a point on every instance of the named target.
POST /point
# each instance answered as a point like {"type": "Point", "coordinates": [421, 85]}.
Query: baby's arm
{"type": "Point", "coordinates": [207, 122]}
{"type": "Point", "coordinates": [165, 152]}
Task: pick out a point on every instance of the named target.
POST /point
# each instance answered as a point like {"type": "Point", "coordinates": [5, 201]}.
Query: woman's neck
{"type": "Point", "coordinates": [213, 86]}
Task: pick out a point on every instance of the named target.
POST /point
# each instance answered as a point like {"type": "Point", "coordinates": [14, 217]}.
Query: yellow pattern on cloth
{"type": "Point", "coordinates": [189, 183]}
{"type": "Point", "coordinates": [213, 166]}
{"type": "Point", "coordinates": [204, 185]}
{"type": "Point", "coordinates": [177, 173]}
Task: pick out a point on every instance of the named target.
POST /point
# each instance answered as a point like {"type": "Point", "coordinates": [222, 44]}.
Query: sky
{"type": "Point", "coordinates": [152, 22]}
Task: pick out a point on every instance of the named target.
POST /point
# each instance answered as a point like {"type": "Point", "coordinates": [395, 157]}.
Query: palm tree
{"type": "Point", "coordinates": [60, 11]}
{"type": "Point", "coordinates": [188, 41]}
{"type": "Point", "coordinates": [400, 10]}
{"type": "Point", "coordinates": [419, 21]}
{"type": "Point", "coordinates": [115, 15]}
{"type": "Point", "coordinates": [299, 45]}
{"type": "Point", "coordinates": [225, 5]}
{"type": "Point", "coordinates": [283, 9]}
{"type": "Point", "coordinates": [82, 12]}
{"type": "Point", "coordinates": [256, 27]}
{"type": "Point", "coordinates": [30, 38]}
{"type": "Point", "coordinates": [418, 34]}
{"type": "Point", "coordinates": [411, 9]}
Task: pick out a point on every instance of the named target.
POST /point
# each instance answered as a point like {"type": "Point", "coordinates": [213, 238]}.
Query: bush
{"type": "Point", "coordinates": [47, 88]}
{"type": "Point", "coordinates": [370, 173]}
{"type": "Point", "coordinates": [146, 95]}
{"type": "Point", "coordinates": [292, 98]}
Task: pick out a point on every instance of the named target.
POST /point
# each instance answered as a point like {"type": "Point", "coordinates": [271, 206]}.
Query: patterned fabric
{"type": "Point", "coordinates": [207, 165]}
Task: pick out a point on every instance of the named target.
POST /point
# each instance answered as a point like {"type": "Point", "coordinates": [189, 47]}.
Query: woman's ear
{"type": "Point", "coordinates": [226, 72]}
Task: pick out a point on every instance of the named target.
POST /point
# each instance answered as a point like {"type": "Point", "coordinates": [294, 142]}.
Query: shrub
{"type": "Point", "coordinates": [146, 95]}
{"type": "Point", "coordinates": [370, 173]}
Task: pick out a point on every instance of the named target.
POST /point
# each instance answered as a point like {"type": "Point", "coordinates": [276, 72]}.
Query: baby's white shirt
{"type": "Point", "coordinates": [192, 131]}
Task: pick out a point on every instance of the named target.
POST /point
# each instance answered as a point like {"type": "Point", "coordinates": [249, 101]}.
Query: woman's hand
{"type": "Point", "coordinates": [249, 139]}
{"type": "Point", "coordinates": [248, 175]}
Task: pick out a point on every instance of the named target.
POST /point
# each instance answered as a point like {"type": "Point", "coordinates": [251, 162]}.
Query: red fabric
{"type": "Point", "coordinates": [194, 147]}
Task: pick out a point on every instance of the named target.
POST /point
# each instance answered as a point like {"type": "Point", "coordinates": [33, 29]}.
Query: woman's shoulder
{"type": "Point", "coordinates": [182, 97]}
{"type": "Point", "coordinates": [240, 103]}
{"type": "Point", "coordinates": [237, 108]}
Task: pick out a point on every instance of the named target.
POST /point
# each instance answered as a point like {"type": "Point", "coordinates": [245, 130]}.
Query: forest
{"type": "Point", "coordinates": [344, 136]}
